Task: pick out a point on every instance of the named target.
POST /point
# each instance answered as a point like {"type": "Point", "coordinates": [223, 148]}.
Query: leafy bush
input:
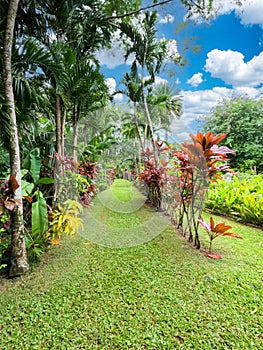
{"type": "Point", "coordinates": [241, 198]}
{"type": "Point", "coordinates": [66, 219]}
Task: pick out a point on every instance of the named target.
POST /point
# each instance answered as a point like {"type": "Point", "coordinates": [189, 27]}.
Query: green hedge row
{"type": "Point", "coordinates": [240, 197]}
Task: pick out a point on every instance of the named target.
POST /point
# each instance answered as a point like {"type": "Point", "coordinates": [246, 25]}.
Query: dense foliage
{"type": "Point", "coordinates": [51, 89]}
{"type": "Point", "coordinates": [242, 118]}
{"type": "Point", "coordinates": [240, 197]}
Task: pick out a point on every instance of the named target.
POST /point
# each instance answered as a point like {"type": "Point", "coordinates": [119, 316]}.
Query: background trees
{"type": "Point", "coordinates": [50, 73]}
{"type": "Point", "coordinates": [242, 118]}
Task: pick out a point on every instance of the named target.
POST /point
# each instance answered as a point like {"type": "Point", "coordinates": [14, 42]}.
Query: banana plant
{"type": "Point", "coordinates": [39, 218]}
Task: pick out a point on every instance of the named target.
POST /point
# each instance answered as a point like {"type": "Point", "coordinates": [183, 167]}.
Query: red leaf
{"type": "Point", "coordinates": [230, 234]}
{"type": "Point", "coordinates": [12, 184]}
{"type": "Point", "coordinates": [212, 224]}
{"type": "Point", "coordinates": [221, 228]}
{"type": "Point", "coordinates": [10, 204]}
{"type": "Point", "coordinates": [219, 138]}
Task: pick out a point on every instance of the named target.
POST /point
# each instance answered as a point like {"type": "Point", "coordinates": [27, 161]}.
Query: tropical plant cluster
{"type": "Point", "coordinates": [179, 186]}
{"type": "Point", "coordinates": [242, 118]}
{"type": "Point", "coordinates": [240, 197]}
{"type": "Point", "coordinates": [51, 81]}
{"type": "Point", "coordinates": [55, 110]}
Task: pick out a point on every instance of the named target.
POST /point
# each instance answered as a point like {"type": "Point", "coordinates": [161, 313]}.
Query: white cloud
{"type": "Point", "coordinates": [249, 91]}
{"type": "Point", "coordinates": [250, 12]}
{"type": "Point", "coordinates": [158, 80]}
{"type": "Point", "coordinates": [199, 103]}
{"type": "Point", "coordinates": [118, 98]}
{"type": "Point", "coordinates": [230, 66]}
{"type": "Point", "coordinates": [111, 83]}
{"type": "Point", "coordinates": [166, 19]}
{"type": "Point", "coordinates": [196, 79]}
{"type": "Point", "coordinates": [172, 50]}
{"type": "Point", "coordinates": [114, 56]}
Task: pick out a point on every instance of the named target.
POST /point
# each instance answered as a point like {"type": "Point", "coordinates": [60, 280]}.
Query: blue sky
{"type": "Point", "coordinates": [229, 62]}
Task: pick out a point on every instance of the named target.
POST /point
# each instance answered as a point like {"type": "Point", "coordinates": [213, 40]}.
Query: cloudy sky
{"type": "Point", "coordinates": [229, 59]}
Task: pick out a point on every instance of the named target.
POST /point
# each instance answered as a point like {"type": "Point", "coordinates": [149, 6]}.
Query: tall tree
{"type": "Point", "coordinates": [242, 118]}
{"type": "Point", "coordinates": [149, 55]}
{"type": "Point", "coordinates": [18, 262]}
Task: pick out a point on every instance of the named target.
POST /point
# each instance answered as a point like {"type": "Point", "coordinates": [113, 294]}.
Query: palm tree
{"type": "Point", "coordinates": [134, 92]}
{"type": "Point", "coordinates": [165, 105]}
{"type": "Point", "coordinates": [149, 56]}
{"type": "Point", "coordinates": [18, 261]}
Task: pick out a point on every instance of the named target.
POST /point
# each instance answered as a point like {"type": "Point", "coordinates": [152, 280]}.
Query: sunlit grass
{"type": "Point", "coordinates": [160, 295]}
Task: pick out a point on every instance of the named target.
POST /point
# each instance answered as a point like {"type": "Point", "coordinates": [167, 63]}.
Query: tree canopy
{"type": "Point", "coordinates": [242, 118]}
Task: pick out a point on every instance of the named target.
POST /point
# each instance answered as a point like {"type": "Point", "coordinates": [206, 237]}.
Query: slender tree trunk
{"type": "Point", "coordinates": [75, 132]}
{"type": "Point", "coordinates": [75, 141]}
{"type": "Point", "coordinates": [58, 126]}
{"type": "Point", "coordinates": [18, 259]}
{"type": "Point", "coordinates": [63, 125]}
{"type": "Point", "coordinates": [149, 120]}
{"type": "Point", "coordinates": [59, 167]}
{"type": "Point", "coordinates": [137, 126]}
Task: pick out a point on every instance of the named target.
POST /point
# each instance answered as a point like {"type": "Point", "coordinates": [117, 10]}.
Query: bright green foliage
{"type": "Point", "coordinates": [33, 163]}
{"type": "Point", "coordinates": [66, 219]}
{"type": "Point", "coordinates": [242, 118]}
{"type": "Point", "coordinates": [161, 295]}
{"type": "Point", "coordinates": [240, 198]}
{"type": "Point", "coordinates": [39, 215]}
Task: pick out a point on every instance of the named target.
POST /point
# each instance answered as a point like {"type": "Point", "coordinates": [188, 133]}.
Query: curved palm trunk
{"type": "Point", "coordinates": [18, 260]}
{"type": "Point", "coordinates": [141, 145]}
{"type": "Point", "coordinates": [149, 120]}
{"type": "Point", "coordinates": [137, 126]}
{"type": "Point", "coordinates": [75, 132]}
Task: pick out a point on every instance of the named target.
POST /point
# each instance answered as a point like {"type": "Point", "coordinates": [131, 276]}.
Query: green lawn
{"type": "Point", "coordinates": [158, 295]}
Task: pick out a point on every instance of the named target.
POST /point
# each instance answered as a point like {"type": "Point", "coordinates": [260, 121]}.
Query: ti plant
{"type": "Point", "coordinates": [215, 230]}
{"type": "Point", "coordinates": [198, 163]}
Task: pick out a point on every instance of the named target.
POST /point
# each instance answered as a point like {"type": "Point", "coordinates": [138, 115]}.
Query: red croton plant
{"type": "Point", "coordinates": [199, 163]}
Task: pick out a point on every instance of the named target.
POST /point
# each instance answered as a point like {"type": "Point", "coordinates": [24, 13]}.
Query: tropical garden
{"type": "Point", "coordinates": [107, 227]}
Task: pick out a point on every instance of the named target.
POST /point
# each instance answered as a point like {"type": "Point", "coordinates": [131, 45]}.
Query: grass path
{"type": "Point", "coordinates": [159, 295]}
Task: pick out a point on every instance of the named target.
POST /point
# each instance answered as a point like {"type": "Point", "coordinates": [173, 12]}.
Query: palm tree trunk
{"type": "Point", "coordinates": [137, 126]}
{"type": "Point", "coordinates": [63, 125]}
{"type": "Point", "coordinates": [59, 166]}
{"type": "Point", "coordinates": [75, 141]}
{"type": "Point", "coordinates": [149, 120]}
{"type": "Point", "coordinates": [58, 126]}
{"type": "Point", "coordinates": [18, 258]}
{"type": "Point", "coordinates": [75, 132]}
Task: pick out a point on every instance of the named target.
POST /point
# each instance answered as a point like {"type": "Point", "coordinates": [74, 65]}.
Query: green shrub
{"type": "Point", "coordinates": [241, 198]}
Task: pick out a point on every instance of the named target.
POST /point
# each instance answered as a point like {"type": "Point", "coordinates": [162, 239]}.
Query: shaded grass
{"type": "Point", "coordinates": [159, 295]}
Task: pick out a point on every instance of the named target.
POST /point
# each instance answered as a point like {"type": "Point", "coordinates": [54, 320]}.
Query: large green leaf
{"type": "Point", "coordinates": [35, 164]}
{"type": "Point", "coordinates": [32, 162]}
{"type": "Point", "coordinates": [39, 215]}
{"type": "Point", "coordinates": [45, 181]}
{"type": "Point", "coordinates": [27, 188]}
